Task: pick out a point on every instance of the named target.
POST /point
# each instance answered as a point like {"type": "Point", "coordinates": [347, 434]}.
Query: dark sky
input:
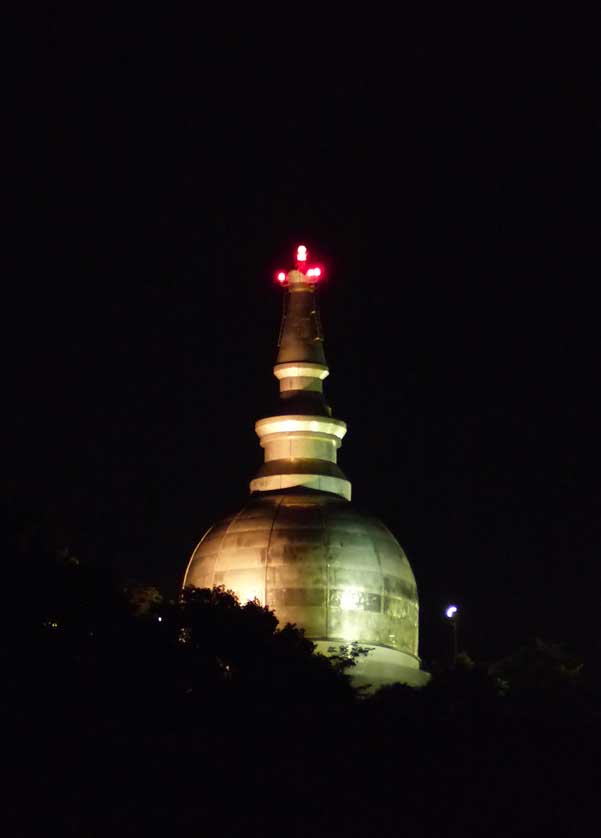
{"type": "Point", "coordinates": [445, 171]}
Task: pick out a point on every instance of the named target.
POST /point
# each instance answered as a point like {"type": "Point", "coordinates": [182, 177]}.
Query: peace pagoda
{"type": "Point", "coordinates": [298, 545]}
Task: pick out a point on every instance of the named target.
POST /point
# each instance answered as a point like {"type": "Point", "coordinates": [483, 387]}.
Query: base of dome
{"type": "Point", "coordinates": [380, 667]}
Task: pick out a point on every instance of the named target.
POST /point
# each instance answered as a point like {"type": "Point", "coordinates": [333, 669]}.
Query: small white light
{"type": "Point", "coordinates": [451, 611]}
{"type": "Point", "coordinates": [160, 619]}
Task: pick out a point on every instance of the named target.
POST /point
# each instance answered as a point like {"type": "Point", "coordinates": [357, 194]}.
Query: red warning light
{"type": "Point", "coordinates": [314, 273]}
{"type": "Point", "coordinates": [301, 253]}
{"type": "Point", "coordinates": [281, 276]}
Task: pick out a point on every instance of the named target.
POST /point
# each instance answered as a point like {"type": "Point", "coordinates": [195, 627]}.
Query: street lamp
{"type": "Point", "coordinates": [452, 614]}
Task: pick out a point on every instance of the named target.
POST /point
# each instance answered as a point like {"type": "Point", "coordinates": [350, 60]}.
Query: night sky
{"type": "Point", "coordinates": [447, 175]}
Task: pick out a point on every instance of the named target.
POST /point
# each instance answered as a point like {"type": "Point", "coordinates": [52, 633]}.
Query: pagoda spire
{"type": "Point", "coordinates": [302, 440]}
{"type": "Point", "coordinates": [301, 365]}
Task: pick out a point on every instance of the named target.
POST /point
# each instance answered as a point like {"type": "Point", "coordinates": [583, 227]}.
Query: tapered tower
{"type": "Point", "coordinates": [299, 546]}
{"type": "Point", "coordinates": [301, 442]}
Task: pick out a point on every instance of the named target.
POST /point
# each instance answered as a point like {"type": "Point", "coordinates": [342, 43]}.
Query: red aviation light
{"type": "Point", "coordinates": [311, 275]}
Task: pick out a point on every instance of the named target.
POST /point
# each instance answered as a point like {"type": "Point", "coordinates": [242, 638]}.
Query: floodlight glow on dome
{"type": "Point", "coordinates": [247, 592]}
{"type": "Point", "coordinates": [350, 599]}
{"type": "Point", "coordinates": [451, 611]}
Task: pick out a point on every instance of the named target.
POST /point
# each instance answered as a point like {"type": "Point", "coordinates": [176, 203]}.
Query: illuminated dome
{"type": "Point", "coordinates": [319, 563]}
{"type": "Point", "coordinates": [299, 546]}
